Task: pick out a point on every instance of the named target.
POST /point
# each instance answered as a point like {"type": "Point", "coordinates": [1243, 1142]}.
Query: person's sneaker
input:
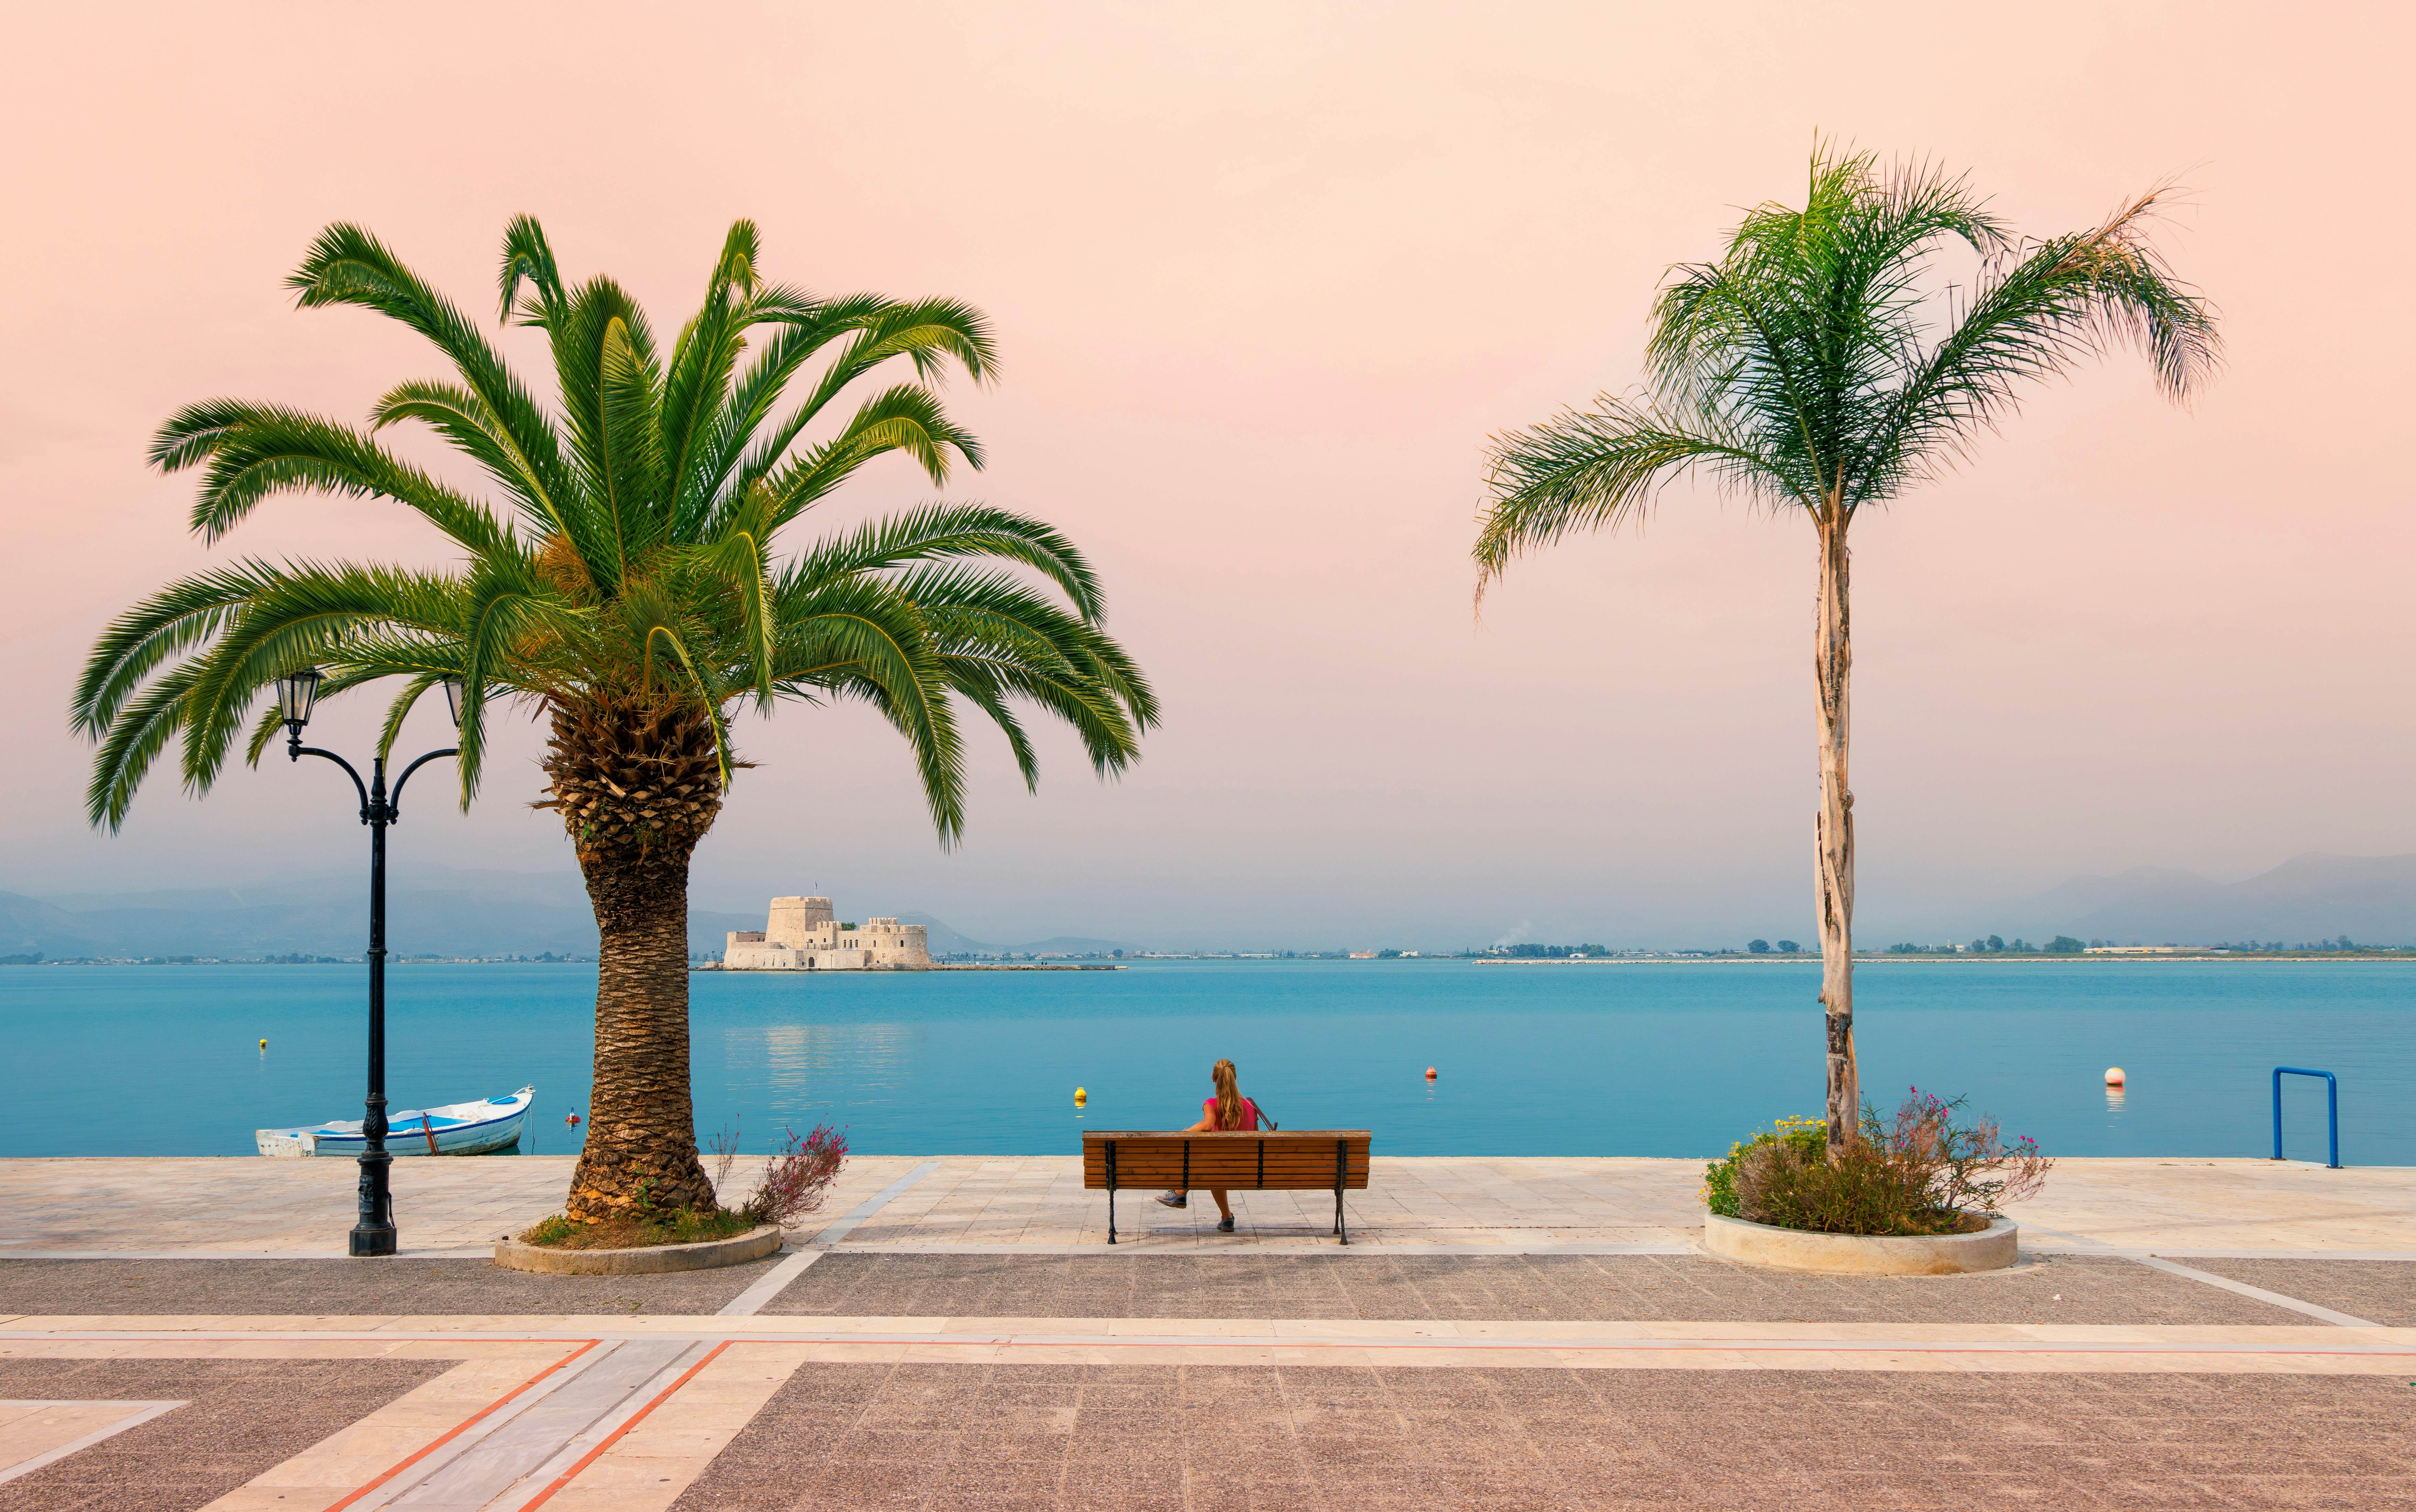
{"type": "Point", "coordinates": [1224, 1226]}
{"type": "Point", "coordinates": [1174, 1199]}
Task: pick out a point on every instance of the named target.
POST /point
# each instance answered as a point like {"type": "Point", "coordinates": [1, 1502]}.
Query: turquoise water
{"type": "Point", "coordinates": [1532, 1060]}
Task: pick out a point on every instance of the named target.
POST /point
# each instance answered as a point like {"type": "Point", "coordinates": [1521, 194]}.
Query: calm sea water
{"type": "Point", "coordinates": [1532, 1060]}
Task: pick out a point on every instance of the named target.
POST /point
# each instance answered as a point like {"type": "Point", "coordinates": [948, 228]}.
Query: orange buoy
{"type": "Point", "coordinates": [2113, 1076]}
{"type": "Point", "coordinates": [1430, 1076]}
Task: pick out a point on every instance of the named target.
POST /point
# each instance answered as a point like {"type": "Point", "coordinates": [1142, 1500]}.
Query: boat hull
{"type": "Point", "coordinates": [456, 1129]}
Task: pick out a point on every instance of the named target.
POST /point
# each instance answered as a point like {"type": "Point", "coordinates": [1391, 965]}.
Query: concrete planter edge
{"type": "Point", "coordinates": [654, 1260]}
{"type": "Point", "coordinates": [1993, 1248]}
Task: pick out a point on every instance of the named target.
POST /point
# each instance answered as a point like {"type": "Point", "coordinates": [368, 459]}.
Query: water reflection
{"type": "Point", "coordinates": [812, 1069]}
{"type": "Point", "coordinates": [2113, 1099]}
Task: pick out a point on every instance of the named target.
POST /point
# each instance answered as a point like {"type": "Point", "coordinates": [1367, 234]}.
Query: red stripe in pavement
{"type": "Point", "coordinates": [463, 1427]}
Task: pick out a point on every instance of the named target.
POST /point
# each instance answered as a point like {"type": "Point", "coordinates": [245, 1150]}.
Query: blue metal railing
{"type": "Point", "coordinates": [2331, 1107]}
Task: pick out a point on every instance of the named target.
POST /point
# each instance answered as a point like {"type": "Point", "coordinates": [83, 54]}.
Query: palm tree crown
{"type": "Point", "coordinates": [632, 565]}
{"type": "Point", "coordinates": [1816, 366]}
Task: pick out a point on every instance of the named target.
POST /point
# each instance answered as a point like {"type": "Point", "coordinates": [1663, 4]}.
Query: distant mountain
{"type": "Point", "coordinates": [946, 941]}
{"type": "Point", "coordinates": [435, 910]}
{"type": "Point", "coordinates": [439, 911]}
{"type": "Point", "coordinates": [2371, 899]}
{"type": "Point", "coordinates": [1071, 945]}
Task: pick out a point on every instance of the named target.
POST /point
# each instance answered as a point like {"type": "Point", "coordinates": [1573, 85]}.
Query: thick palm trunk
{"type": "Point", "coordinates": [641, 1148]}
{"type": "Point", "coordinates": [1834, 833]}
{"type": "Point", "coordinates": [637, 788]}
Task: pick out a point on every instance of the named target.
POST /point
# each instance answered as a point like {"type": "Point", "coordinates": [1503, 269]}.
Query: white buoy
{"type": "Point", "coordinates": [2113, 1076]}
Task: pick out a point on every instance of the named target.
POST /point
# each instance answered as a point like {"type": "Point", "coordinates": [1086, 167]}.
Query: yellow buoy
{"type": "Point", "coordinates": [1080, 1097]}
{"type": "Point", "coordinates": [2113, 1076]}
{"type": "Point", "coordinates": [264, 1045]}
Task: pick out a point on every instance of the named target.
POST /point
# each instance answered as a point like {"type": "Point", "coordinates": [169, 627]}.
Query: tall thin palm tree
{"type": "Point", "coordinates": [632, 591]}
{"type": "Point", "coordinates": [1817, 367]}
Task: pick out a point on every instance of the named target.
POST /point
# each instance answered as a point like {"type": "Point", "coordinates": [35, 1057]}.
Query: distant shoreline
{"type": "Point", "coordinates": [1991, 958]}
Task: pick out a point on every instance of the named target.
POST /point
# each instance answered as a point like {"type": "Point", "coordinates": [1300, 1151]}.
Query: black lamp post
{"type": "Point", "coordinates": [373, 1234]}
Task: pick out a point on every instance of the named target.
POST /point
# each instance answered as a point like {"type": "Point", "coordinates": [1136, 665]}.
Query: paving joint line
{"type": "Point", "coordinates": [144, 1411]}
{"type": "Point", "coordinates": [2259, 1293]}
{"type": "Point", "coordinates": [770, 1284]}
{"type": "Point", "coordinates": [871, 1204]}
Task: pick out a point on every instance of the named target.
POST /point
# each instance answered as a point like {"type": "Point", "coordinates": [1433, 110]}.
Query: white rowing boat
{"type": "Point", "coordinates": [455, 1128]}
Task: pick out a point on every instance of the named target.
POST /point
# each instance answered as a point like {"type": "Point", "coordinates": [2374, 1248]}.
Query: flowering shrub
{"type": "Point", "coordinates": [1919, 1173]}
{"type": "Point", "coordinates": [1807, 1137]}
{"type": "Point", "coordinates": [797, 1175]}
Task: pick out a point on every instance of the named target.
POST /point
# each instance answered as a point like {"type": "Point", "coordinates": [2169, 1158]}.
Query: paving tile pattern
{"type": "Point", "coordinates": [1543, 1288]}
{"type": "Point", "coordinates": [2379, 1291]}
{"type": "Point", "coordinates": [242, 1418]}
{"type": "Point", "coordinates": [1161, 1438]}
{"type": "Point", "coordinates": [221, 1288]}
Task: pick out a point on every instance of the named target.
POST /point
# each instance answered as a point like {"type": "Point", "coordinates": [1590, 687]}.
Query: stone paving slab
{"type": "Point", "coordinates": [1589, 1288]}
{"type": "Point", "coordinates": [320, 1288]}
{"type": "Point", "coordinates": [1142, 1438]}
{"type": "Point", "coordinates": [2379, 1291]}
{"type": "Point", "coordinates": [2180, 1206]}
{"type": "Point", "coordinates": [241, 1419]}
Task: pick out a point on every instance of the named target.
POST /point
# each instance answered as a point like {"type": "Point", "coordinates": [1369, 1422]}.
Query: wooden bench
{"type": "Point", "coordinates": [1305, 1159]}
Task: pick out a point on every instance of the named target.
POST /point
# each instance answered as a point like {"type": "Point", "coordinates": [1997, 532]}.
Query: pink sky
{"type": "Point", "coordinates": [1265, 277]}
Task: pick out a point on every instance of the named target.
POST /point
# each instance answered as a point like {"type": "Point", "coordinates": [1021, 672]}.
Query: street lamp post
{"type": "Point", "coordinates": [373, 1233]}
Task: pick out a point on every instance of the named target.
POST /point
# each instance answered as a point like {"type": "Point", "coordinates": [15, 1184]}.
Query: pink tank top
{"type": "Point", "coordinates": [1249, 1116]}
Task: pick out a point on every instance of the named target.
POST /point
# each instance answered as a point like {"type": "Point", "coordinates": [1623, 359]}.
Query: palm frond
{"type": "Point", "coordinates": [2068, 300]}
{"type": "Point", "coordinates": [931, 533]}
{"type": "Point", "coordinates": [346, 265]}
{"type": "Point", "coordinates": [1594, 470]}
{"type": "Point", "coordinates": [255, 451]}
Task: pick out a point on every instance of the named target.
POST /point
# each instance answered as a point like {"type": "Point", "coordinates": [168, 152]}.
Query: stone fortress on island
{"type": "Point", "coordinates": [804, 935]}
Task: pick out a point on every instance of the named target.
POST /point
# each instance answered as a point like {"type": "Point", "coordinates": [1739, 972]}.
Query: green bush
{"type": "Point", "coordinates": [1918, 1174]}
{"type": "Point", "coordinates": [1809, 1135]}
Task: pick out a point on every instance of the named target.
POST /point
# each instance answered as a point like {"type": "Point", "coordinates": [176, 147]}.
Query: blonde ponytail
{"type": "Point", "coordinates": [1228, 1097]}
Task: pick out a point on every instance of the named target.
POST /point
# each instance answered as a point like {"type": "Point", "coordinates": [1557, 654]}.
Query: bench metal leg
{"type": "Point", "coordinates": [1112, 1191]}
{"type": "Point", "coordinates": [1341, 1179]}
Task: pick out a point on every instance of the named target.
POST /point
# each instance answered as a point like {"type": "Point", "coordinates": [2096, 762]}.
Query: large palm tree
{"type": "Point", "coordinates": [630, 589]}
{"type": "Point", "coordinates": [1819, 368]}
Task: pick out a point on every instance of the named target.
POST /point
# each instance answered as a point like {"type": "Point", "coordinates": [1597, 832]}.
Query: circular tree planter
{"type": "Point", "coordinates": [1993, 1248]}
{"type": "Point", "coordinates": [654, 1260]}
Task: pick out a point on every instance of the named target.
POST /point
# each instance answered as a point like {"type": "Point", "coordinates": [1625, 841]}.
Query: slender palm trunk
{"type": "Point", "coordinates": [637, 788]}
{"type": "Point", "coordinates": [1834, 831]}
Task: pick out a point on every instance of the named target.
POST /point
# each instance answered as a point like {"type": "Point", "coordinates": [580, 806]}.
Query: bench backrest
{"type": "Point", "coordinates": [1291, 1160]}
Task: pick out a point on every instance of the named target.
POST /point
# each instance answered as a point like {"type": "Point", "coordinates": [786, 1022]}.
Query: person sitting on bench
{"type": "Point", "coordinates": [1226, 1112]}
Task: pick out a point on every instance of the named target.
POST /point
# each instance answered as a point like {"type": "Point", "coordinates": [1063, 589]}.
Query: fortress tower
{"type": "Point", "coordinates": [798, 922]}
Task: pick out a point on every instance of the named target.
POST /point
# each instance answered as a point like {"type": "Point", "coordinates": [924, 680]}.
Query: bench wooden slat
{"type": "Point", "coordinates": [1284, 1160]}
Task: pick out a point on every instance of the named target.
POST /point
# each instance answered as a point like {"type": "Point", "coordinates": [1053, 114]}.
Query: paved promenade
{"type": "Point", "coordinates": [253, 1207]}
{"type": "Point", "coordinates": [955, 1332]}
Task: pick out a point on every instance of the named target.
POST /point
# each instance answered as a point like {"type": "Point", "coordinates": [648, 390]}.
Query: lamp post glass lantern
{"type": "Point", "coordinates": [373, 1232]}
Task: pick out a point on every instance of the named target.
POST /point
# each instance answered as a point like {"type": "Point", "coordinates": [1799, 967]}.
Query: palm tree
{"type": "Point", "coordinates": [629, 590]}
{"type": "Point", "coordinates": [1817, 367]}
